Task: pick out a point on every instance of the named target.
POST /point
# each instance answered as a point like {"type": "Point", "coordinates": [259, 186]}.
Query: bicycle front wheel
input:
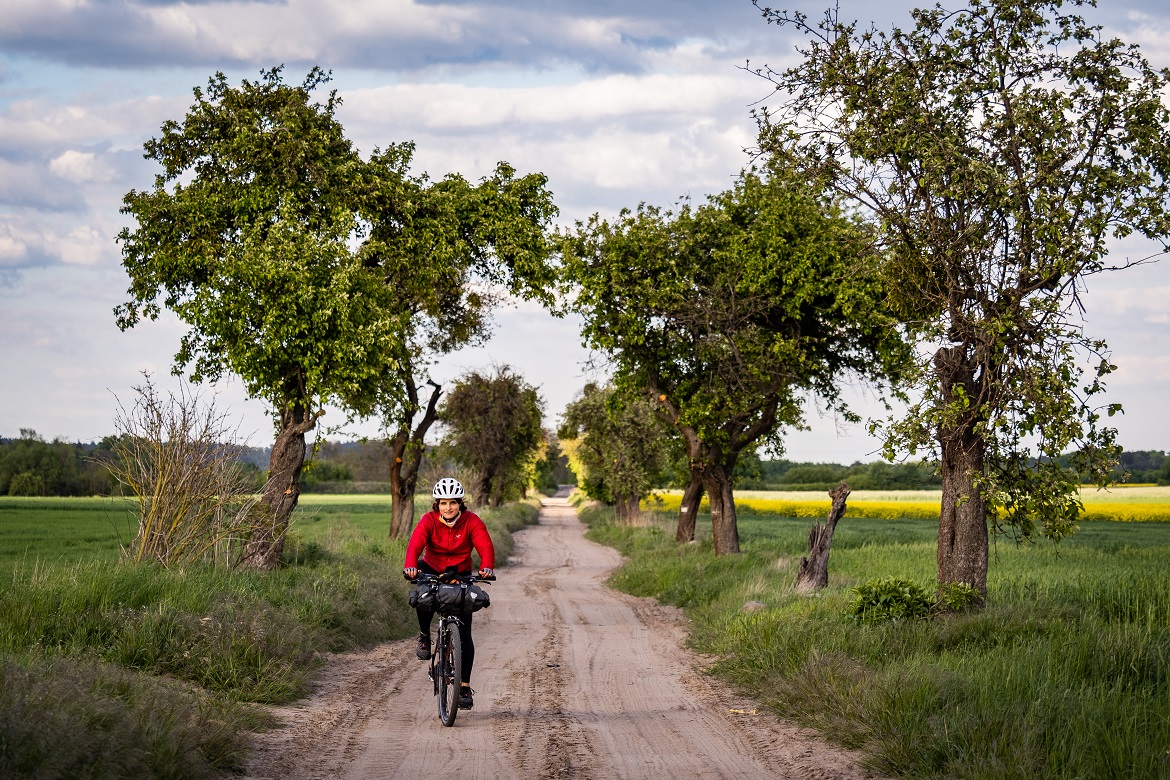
{"type": "Point", "coordinates": [450, 671]}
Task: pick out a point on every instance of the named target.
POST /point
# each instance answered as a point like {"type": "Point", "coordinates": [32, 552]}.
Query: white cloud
{"type": "Point", "coordinates": [455, 108]}
{"type": "Point", "coordinates": [80, 167]}
{"type": "Point", "coordinates": [83, 245]}
{"type": "Point", "coordinates": [38, 126]}
{"type": "Point", "coordinates": [13, 248]}
{"type": "Point", "coordinates": [604, 142]}
{"type": "Point", "coordinates": [1150, 305]}
{"type": "Point", "coordinates": [1137, 370]}
{"type": "Point", "coordinates": [27, 241]}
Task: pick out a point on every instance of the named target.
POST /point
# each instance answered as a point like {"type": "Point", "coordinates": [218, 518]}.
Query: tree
{"type": "Point", "coordinates": [999, 147]}
{"type": "Point", "coordinates": [552, 470]}
{"type": "Point", "coordinates": [31, 466]}
{"type": "Point", "coordinates": [622, 444]}
{"type": "Point", "coordinates": [447, 251]}
{"type": "Point", "coordinates": [246, 236]}
{"type": "Point", "coordinates": [494, 431]}
{"type": "Point", "coordinates": [729, 313]}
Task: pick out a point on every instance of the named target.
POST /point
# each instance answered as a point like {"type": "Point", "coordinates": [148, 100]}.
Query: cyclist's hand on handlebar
{"type": "Point", "coordinates": [409, 573]}
{"type": "Point", "coordinates": [487, 574]}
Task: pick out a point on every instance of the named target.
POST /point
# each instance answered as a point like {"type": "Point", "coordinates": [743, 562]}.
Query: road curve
{"type": "Point", "coordinates": [573, 680]}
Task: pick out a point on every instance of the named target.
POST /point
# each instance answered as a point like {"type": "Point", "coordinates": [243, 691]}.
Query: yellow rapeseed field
{"type": "Point", "coordinates": [1127, 504]}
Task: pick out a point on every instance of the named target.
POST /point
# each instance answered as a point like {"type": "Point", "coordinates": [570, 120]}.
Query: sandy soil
{"type": "Point", "coordinates": [572, 680]}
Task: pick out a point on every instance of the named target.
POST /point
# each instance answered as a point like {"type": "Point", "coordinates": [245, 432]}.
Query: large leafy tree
{"type": "Point", "coordinates": [494, 431]}
{"type": "Point", "coordinates": [247, 237]}
{"type": "Point", "coordinates": [730, 314]}
{"type": "Point", "coordinates": [999, 146]}
{"type": "Point", "coordinates": [447, 252]}
{"type": "Point", "coordinates": [621, 443]}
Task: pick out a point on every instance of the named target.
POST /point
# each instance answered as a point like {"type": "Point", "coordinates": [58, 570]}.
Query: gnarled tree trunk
{"type": "Point", "coordinates": [406, 451]}
{"type": "Point", "coordinates": [628, 508]}
{"type": "Point", "coordinates": [724, 529]}
{"type": "Point", "coordinates": [814, 569]}
{"type": "Point", "coordinates": [962, 523]}
{"type": "Point", "coordinates": [688, 511]}
{"type": "Point", "coordinates": [283, 488]}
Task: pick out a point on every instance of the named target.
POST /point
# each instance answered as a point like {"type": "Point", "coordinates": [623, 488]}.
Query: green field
{"type": "Point", "coordinates": [1066, 673]}
{"type": "Point", "coordinates": [67, 530]}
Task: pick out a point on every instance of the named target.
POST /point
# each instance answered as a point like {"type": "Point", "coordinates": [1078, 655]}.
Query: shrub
{"type": "Point", "coordinates": [889, 599]}
{"type": "Point", "coordinates": [957, 597]}
{"type": "Point", "coordinates": [178, 459]}
{"type": "Point", "coordinates": [27, 484]}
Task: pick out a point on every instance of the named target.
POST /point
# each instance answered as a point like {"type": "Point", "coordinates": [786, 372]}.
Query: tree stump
{"type": "Point", "coordinates": [814, 570]}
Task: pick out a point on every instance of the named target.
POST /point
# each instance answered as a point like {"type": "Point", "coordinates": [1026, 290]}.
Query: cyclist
{"type": "Point", "coordinates": [448, 533]}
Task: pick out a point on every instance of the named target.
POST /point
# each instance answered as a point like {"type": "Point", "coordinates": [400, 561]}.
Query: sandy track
{"type": "Point", "coordinates": [573, 680]}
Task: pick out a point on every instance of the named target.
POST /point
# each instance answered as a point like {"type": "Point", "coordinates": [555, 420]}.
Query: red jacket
{"type": "Point", "coordinates": [450, 546]}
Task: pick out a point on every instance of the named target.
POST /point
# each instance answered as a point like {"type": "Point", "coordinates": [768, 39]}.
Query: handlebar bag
{"type": "Point", "coordinates": [449, 596]}
{"type": "Point", "coordinates": [477, 598]}
{"type": "Point", "coordinates": [424, 596]}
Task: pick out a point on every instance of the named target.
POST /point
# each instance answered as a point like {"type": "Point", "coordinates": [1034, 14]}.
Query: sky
{"type": "Point", "coordinates": [616, 102]}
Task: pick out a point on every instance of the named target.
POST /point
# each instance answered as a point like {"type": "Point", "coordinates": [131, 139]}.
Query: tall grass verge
{"type": "Point", "coordinates": [150, 671]}
{"type": "Point", "coordinates": [67, 718]}
{"type": "Point", "coordinates": [1066, 674]}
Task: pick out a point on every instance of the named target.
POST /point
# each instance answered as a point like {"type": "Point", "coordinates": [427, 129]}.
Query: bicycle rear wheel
{"type": "Point", "coordinates": [450, 671]}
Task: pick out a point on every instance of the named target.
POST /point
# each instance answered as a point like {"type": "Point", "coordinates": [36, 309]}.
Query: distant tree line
{"type": "Point", "coordinates": [1143, 466]}
{"type": "Point", "coordinates": [31, 466]}
{"type": "Point", "coordinates": [759, 474]}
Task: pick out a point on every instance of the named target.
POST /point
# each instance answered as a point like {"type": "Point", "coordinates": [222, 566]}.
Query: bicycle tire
{"type": "Point", "coordinates": [450, 671]}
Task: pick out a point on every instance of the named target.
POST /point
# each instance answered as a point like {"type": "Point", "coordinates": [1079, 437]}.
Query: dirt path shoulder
{"type": "Point", "coordinates": [573, 680]}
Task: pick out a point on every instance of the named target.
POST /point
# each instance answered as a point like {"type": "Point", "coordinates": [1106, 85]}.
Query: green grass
{"type": "Point", "coordinates": [67, 718]}
{"type": "Point", "coordinates": [1066, 674]}
{"type": "Point", "coordinates": [145, 671]}
{"type": "Point", "coordinates": [61, 530]}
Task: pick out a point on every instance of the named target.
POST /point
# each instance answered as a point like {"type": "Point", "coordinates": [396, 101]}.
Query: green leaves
{"type": "Point", "coordinates": [999, 148]}
{"type": "Point", "coordinates": [734, 309]}
{"type": "Point", "coordinates": [619, 442]}
{"type": "Point", "coordinates": [494, 432]}
{"type": "Point", "coordinates": [889, 599]}
{"type": "Point", "coordinates": [247, 237]}
{"type": "Point", "coordinates": [447, 253]}
{"type": "Point", "coordinates": [312, 274]}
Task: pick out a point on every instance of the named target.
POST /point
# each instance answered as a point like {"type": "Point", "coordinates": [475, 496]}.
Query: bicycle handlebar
{"type": "Point", "coordinates": [449, 577]}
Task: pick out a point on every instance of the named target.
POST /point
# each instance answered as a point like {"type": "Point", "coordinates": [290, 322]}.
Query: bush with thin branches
{"type": "Point", "coordinates": [178, 457]}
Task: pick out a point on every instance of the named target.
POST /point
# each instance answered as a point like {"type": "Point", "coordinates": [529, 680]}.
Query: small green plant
{"type": "Point", "coordinates": [957, 597]}
{"type": "Point", "coordinates": [889, 599]}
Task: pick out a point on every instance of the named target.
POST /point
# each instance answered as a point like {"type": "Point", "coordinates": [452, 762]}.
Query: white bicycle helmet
{"type": "Point", "coordinates": [447, 488]}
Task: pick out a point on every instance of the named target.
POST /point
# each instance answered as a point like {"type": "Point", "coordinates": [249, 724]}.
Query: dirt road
{"type": "Point", "coordinates": [573, 680]}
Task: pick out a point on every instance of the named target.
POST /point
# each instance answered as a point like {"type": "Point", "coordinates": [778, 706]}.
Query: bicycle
{"type": "Point", "coordinates": [447, 652]}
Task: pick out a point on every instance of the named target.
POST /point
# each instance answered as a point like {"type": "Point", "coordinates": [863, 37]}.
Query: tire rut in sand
{"type": "Point", "coordinates": [546, 741]}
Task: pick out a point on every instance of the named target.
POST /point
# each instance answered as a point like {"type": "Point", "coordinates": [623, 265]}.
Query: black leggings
{"type": "Point", "coordinates": [424, 625]}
